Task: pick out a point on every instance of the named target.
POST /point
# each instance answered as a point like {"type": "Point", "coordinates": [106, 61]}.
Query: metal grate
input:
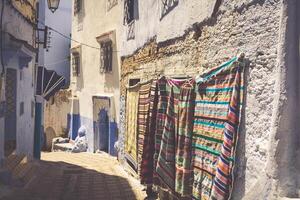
{"type": "Point", "coordinates": [128, 11]}
{"type": "Point", "coordinates": [167, 6]}
{"type": "Point", "coordinates": [77, 6]}
{"type": "Point", "coordinates": [131, 31]}
{"type": "Point", "coordinates": [106, 56]}
{"type": "Point", "coordinates": [76, 64]}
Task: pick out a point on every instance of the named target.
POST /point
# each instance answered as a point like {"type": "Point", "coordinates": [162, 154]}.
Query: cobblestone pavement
{"type": "Point", "coordinates": [86, 176]}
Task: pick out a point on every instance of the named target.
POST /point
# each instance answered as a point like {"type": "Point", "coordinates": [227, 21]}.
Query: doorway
{"type": "Point", "coordinates": [101, 106]}
{"type": "Point", "coordinates": [10, 126]}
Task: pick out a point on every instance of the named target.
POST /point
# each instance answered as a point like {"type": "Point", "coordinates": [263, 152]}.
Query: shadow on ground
{"type": "Point", "coordinates": [64, 181]}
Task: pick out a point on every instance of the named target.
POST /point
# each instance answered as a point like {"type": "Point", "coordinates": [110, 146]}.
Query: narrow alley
{"type": "Point", "coordinates": [149, 99]}
{"type": "Point", "coordinates": [63, 176]}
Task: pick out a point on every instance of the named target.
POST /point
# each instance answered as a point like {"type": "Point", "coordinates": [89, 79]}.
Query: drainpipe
{"type": "Point", "coordinates": [38, 126]}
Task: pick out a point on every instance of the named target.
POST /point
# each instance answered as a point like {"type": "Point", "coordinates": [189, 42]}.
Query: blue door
{"type": "Point", "coordinates": [11, 111]}
{"type": "Point", "coordinates": [103, 130]}
{"type": "Point", "coordinates": [101, 106]}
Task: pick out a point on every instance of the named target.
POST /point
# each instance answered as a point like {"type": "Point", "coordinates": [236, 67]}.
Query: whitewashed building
{"type": "Point", "coordinates": [18, 53]}
{"type": "Point", "coordinates": [95, 71]}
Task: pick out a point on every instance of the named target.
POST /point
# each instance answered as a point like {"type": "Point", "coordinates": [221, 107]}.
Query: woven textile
{"type": "Point", "coordinates": [166, 159]}
{"type": "Point", "coordinates": [131, 123]}
{"type": "Point", "coordinates": [162, 101]}
{"type": "Point", "coordinates": [186, 107]}
{"type": "Point", "coordinates": [147, 167]}
{"type": "Point", "coordinates": [169, 124]}
{"type": "Point", "coordinates": [216, 120]}
{"type": "Point", "coordinates": [143, 118]}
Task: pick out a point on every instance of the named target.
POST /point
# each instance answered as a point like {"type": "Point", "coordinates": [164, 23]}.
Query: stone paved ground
{"type": "Point", "coordinates": [86, 176]}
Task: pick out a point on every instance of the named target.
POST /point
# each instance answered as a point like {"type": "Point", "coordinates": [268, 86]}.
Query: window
{"type": "Point", "coordinates": [134, 81]}
{"type": "Point", "coordinates": [76, 63]}
{"type": "Point", "coordinates": [106, 56]}
{"type": "Point", "coordinates": [131, 31]}
{"type": "Point", "coordinates": [167, 6]}
{"type": "Point", "coordinates": [130, 15]}
{"type": "Point", "coordinates": [128, 11]}
{"type": "Point", "coordinates": [77, 6]}
{"type": "Point", "coordinates": [21, 108]}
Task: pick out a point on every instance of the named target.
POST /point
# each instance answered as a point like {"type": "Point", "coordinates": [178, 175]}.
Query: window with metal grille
{"type": "Point", "coordinates": [106, 56]}
{"type": "Point", "coordinates": [128, 11]}
{"type": "Point", "coordinates": [167, 6]}
{"type": "Point", "coordinates": [77, 6]}
{"type": "Point", "coordinates": [76, 63]}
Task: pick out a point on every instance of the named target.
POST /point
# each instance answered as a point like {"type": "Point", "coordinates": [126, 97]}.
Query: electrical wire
{"type": "Point", "coordinates": [57, 62]}
{"type": "Point", "coordinates": [69, 38]}
{"type": "Point", "coordinates": [1, 39]}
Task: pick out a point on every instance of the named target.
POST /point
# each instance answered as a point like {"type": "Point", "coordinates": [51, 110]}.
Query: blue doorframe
{"type": "Point", "coordinates": [105, 129]}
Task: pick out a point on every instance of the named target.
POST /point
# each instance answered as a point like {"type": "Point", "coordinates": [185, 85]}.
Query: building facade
{"type": "Point", "coordinates": [175, 38]}
{"type": "Point", "coordinates": [95, 71]}
{"type": "Point", "coordinates": [19, 54]}
{"type": "Point", "coordinates": [56, 57]}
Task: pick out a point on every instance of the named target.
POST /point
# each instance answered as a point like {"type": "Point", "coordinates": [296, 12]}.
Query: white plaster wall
{"type": "Point", "coordinates": [25, 93]}
{"type": "Point", "coordinates": [57, 58]}
{"type": "Point", "coordinates": [94, 20]}
{"type": "Point", "coordinates": [25, 122]}
{"type": "Point", "coordinates": [21, 29]}
{"type": "Point", "coordinates": [149, 22]}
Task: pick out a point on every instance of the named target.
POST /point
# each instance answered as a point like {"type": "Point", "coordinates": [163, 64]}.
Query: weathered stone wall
{"type": "Point", "coordinates": [56, 112]}
{"type": "Point", "coordinates": [235, 26]}
{"type": "Point", "coordinates": [27, 8]}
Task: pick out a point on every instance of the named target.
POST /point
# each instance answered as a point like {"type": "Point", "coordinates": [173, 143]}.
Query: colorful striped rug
{"type": "Point", "coordinates": [184, 170]}
{"type": "Point", "coordinates": [216, 121]}
{"type": "Point", "coordinates": [143, 118]}
{"type": "Point", "coordinates": [169, 124]}
{"type": "Point", "coordinates": [147, 166]}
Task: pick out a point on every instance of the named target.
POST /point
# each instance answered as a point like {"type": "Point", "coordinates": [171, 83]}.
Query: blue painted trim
{"type": "Point", "coordinates": [37, 131]}
{"type": "Point", "coordinates": [113, 128]}
{"type": "Point", "coordinates": [75, 125]}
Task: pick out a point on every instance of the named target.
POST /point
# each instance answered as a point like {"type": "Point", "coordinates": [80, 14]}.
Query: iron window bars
{"type": "Point", "coordinates": [106, 56]}
{"type": "Point", "coordinates": [167, 6]}
{"type": "Point", "coordinates": [76, 63]}
{"type": "Point", "coordinates": [77, 6]}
